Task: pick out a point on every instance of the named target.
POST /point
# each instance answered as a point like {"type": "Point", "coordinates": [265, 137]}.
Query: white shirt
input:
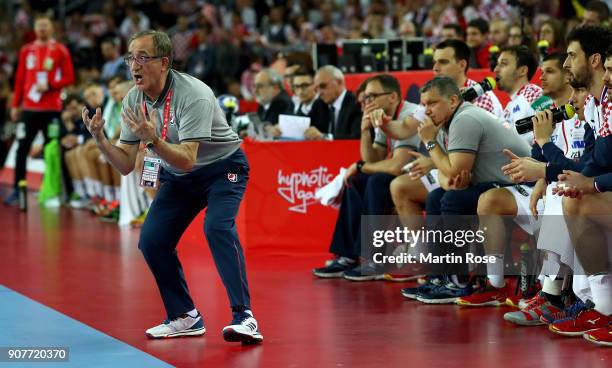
{"type": "Point", "coordinates": [305, 108]}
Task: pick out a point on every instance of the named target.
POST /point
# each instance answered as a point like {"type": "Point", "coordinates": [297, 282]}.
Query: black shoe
{"type": "Point", "coordinates": [364, 272]}
{"type": "Point", "coordinates": [335, 269]}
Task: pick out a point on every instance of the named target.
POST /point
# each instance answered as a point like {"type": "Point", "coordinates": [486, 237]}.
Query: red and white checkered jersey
{"type": "Point", "coordinates": [520, 107]}
{"type": "Point", "coordinates": [598, 113]}
{"type": "Point", "coordinates": [487, 101]}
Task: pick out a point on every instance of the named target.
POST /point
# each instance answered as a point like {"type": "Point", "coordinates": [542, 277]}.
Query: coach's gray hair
{"type": "Point", "coordinates": [161, 42]}
{"type": "Point", "coordinates": [333, 71]}
{"type": "Point", "coordinates": [444, 85]}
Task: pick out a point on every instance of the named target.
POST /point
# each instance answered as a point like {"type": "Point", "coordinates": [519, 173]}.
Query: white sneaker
{"type": "Point", "coordinates": [52, 203]}
{"type": "Point", "coordinates": [182, 326]}
{"type": "Point", "coordinates": [243, 329]}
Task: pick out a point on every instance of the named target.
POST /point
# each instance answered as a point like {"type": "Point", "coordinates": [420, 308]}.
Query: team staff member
{"type": "Point", "coordinates": [44, 68]}
{"type": "Point", "coordinates": [179, 120]}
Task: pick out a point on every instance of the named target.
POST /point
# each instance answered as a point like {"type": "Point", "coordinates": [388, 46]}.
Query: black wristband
{"type": "Point", "coordinates": [360, 164]}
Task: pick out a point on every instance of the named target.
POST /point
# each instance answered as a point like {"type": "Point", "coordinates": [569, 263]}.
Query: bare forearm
{"type": "Point", "coordinates": [116, 156]}
{"type": "Point", "coordinates": [442, 162]}
{"type": "Point", "coordinates": [178, 155]}
{"type": "Point", "coordinates": [368, 154]}
{"type": "Point", "coordinates": [390, 166]}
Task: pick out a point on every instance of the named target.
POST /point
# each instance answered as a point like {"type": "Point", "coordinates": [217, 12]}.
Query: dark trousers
{"type": "Point", "coordinates": [219, 187]}
{"type": "Point", "coordinates": [367, 195]}
{"type": "Point", "coordinates": [452, 210]}
{"type": "Point", "coordinates": [34, 121]}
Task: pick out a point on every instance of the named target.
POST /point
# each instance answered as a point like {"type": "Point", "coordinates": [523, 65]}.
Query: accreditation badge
{"type": "Point", "coordinates": [150, 170]}
{"type": "Point", "coordinates": [48, 63]}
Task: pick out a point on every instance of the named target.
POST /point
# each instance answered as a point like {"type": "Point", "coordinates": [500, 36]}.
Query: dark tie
{"type": "Point", "coordinates": [332, 120]}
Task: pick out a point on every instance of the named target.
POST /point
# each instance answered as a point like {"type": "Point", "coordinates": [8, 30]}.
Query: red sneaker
{"type": "Point", "coordinates": [487, 296]}
{"type": "Point", "coordinates": [585, 321]}
{"type": "Point", "coordinates": [600, 336]}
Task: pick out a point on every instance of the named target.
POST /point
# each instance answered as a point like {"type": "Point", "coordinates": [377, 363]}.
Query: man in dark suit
{"type": "Point", "coordinates": [308, 102]}
{"type": "Point", "coordinates": [271, 96]}
{"type": "Point", "coordinates": [344, 113]}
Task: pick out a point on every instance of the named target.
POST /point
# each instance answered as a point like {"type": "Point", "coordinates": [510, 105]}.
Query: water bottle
{"type": "Point", "coordinates": [526, 267]}
{"type": "Point", "coordinates": [22, 186]}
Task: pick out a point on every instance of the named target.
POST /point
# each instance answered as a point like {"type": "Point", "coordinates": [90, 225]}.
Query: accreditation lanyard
{"type": "Point", "coordinates": [166, 113]}
{"type": "Point", "coordinates": [152, 162]}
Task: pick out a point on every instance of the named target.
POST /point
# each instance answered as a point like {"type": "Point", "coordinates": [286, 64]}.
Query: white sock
{"type": "Point", "coordinates": [552, 286]}
{"type": "Point", "coordinates": [79, 188]}
{"type": "Point", "coordinates": [109, 193]}
{"type": "Point", "coordinates": [455, 280]}
{"type": "Point", "coordinates": [99, 188]}
{"type": "Point", "coordinates": [580, 287]}
{"type": "Point", "coordinates": [495, 271]}
{"type": "Point", "coordinates": [193, 313]}
{"type": "Point", "coordinates": [601, 287]}
{"type": "Point", "coordinates": [90, 187]}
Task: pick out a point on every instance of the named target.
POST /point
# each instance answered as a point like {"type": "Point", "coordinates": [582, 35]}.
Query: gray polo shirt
{"type": "Point", "coordinates": [412, 142]}
{"type": "Point", "coordinates": [478, 131]}
{"type": "Point", "coordinates": [195, 116]}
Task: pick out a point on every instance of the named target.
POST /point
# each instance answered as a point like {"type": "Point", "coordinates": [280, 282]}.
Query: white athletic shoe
{"type": "Point", "coordinates": [243, 329]}
{"type": "Point", "coordinates": [181, 326]}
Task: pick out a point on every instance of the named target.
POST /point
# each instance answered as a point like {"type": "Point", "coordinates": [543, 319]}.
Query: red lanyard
{"type": "Point", "coordinates": [166, 113]}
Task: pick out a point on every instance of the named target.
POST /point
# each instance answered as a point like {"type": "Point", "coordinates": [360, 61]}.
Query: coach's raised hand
{"type": "Point", "coordinates": [95, 124]}
{"type": "Point", "coordinates": [142, 127]}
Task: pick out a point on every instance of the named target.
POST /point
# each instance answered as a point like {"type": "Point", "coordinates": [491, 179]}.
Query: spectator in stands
{"type": "Point", "coordinates": [452, 31]}
{"type": "Point", "coordinates": [553, 32]}
{"type": "Point", "coordinates": [44, 68]}
{"type": "Point", "coordinates": [375, 26]}
{"type": "Point", "coordinates": [527, 37]}
{"type": "Point", "coordinates": [367, 191]}
{"type": "Point", "coordinates": [596, 13]}
{"type": "Point", "coordinates": [114, 64]}
{"type": "Point", "coordinates": [271, 96]}
{"type": "Point", "coordinates": [499, 30]}
{"type": "Point", "coordinates": [344, 115]}
{"type": "Point", "coordinates": [477, 39]}
{"type": "Point", "coordinates": [201, 62]}
{"type": "Point", "coordinates": [451, 59]}
{"type": "Point", "coordinates": [278, 33]}
{"type": "Point", "coordinates": [515, 67]}
{"type": "Point", "coordinates": [134, 21]}
{"type": "Point", "coordinates": [180, 42]}
{"type": "Point", "coordinates": [407, 29]}
{"type": "Point", "coordinates": [513, 201]}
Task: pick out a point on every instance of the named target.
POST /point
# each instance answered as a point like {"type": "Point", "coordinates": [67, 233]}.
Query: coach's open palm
{"type": "Point", "coordinates": [143, 127]}
{"type": "Point", "coordinates": [95, 124]}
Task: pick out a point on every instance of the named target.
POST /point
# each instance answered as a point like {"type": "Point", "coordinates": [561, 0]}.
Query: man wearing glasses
{"type": "Point", "coordinates": [367, 181]}
{"type": "Point", "coordinates": [307, 102]}
{"type": "Point", "coordinates": [178, 119]}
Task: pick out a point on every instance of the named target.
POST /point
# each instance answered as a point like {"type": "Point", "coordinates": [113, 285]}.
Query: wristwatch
{"type": "Point", "coordinates": [360, 164]}
{"type": "Point", "coordinates": [150, 144]}
{"type": "Point", "coordinates": [429, 146]}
